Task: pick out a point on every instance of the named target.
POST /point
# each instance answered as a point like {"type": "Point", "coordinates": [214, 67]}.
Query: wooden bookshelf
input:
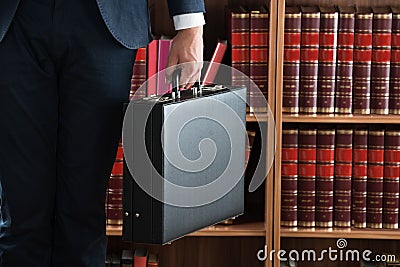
{"type": "Point", "coordinates": [300, 237]}
{"type": "Point", "coordinates": [244, 229]}
{"type": "Point", "coordinates": [382, 119]}
{"type": "Point", "coordinates": [352, 233]}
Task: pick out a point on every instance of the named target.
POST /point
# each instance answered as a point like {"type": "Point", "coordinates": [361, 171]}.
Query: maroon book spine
{"type": "Point", "coordinates": [359, 180]}
{"type": "Point", "coordinates": [391, 185]}
{"type": "Point", "coordinates": [239, 38]}
{"type": "Point", "coordinates": [344, 71]}
{"type": "Point", "coordinates": [307, 175]}
{"type": "Point", "coordinates": [362, 61]}
{"type": "Point", "coordinates": [139, 75]}
{"type": "Point", "coordinates": [291, 61]}
{"type": "Point", "coordinates": [343, 174]}
{"type": "Point", "coordinates": [325, 177]}
{"type": "Point", "coordinates": [310, 22]}
{"type": "Point", "coordinates": [289, 175]}
{"type": "Point", "coordinates": [327, 60]}
{"type": "Point", "coordinates": [394, 90]}
{"type": "Point", "coordinates": [376, 150]}
{"type": "Point", "coordinates": [259, 28]}
{"type": "Point", "coordinates": [380, 72]}
{"type": "Point", "coordinates": [114, 191]}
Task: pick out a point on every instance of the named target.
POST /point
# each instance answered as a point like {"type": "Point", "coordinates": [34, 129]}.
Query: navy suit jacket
{"type": "Point", "coordinates": [127, 20]}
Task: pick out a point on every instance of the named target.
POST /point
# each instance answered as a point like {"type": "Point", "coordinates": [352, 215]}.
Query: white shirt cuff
{"type": "Point", "coordinates": [190, 20]}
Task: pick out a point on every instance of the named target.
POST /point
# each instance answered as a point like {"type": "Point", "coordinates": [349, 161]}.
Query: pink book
{"type": "Point", "coordinates": [164, 45]}
{"type": "Point", "coordinates": [216, 59]}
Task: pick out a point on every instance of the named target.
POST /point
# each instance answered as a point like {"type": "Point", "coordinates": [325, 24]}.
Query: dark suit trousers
{"type": "Point", "coordinates": [63, 79]}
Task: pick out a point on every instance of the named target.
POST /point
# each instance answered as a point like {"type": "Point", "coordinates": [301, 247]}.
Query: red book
{"type": "Point", "coordinates": [310, 22]}
{"type": "Point", "coordinates": [140, 257]}
{"type": "Point", "coordinates": [376, 150]}
{"type": "Point", "coordinates": [152, 66]}
{"type": "Point", "coordinates": [343, 174]}
{"type": "Point", "coordinates": [380, 72]}
{"type": "Point", "coordinates": [325, 176]}
{"type": "Point", "coordinates": [359, 182]}
{"type": "Point", "coordinates": [307, 176]}
{"type": "Point", "coordinates": [164, 45]}
{"type": "Point", "coordinates": [239, 39]}
{"type": "Point", "coordinates": [362, 61]}
{"type": "Point", "coordinates": [344, 71]}
{"type": "Point", "coordinates": [139, 75]}
{"type": "Point", "coordinates": [327, 60]}
{"type": "Point", "coordinates": [259, 28]}
{"type": "Point", "coordinates": [391, 184]}
{"type": "Point", "coordinates": [115, 191]}
{"type": "Point", "coordinates": [215, 62]}
{"type": "Point", "coordinates": [291, 61]}
{"type": "Point", "coordinates": [289, 175]}
{"type": "Point", "coordinates": [394, 90]}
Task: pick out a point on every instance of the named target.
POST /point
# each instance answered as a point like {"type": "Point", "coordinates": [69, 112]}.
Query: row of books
{"type": "Point", "coordinates": [139, 257]}
{"type": "Point", "coordinates": [340, 176]}
{"type": "Point", "coordinates": [248, 38]}
{"type": "Point", "coordinates": [341, 60]}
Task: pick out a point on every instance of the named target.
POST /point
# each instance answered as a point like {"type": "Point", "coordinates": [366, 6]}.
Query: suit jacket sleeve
{"type": "Point", "coordinates": [178, 7]}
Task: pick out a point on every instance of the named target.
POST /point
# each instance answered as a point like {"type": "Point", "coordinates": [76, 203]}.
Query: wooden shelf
{"type": "Point", "coordinates": [245, 229]}
{"type": "Point", "coordinates": [394, 119]}
{"type": "Point", "coordinates": [251, 118]}
{"type": "Point", "coordinates": [341, 233]}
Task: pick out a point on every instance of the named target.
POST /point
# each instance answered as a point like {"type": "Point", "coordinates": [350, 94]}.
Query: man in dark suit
{"type": "Point", "coordinates": [65, 70]}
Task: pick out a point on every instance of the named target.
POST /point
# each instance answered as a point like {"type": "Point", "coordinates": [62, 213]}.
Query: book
{"type": "Point", "coordinates": [362, 61]}
{"type": "Point", "coordinates": [380, 71]}
{"type": "Point", "coordinates": [310, 22]}
{"type": "Point", "coordinates": [152, 67]}
{"type": "Point", "coordinates": [153, 260]}
{"type": "Point", "coordinates": [327, 60]}
{"type": "Point", "coordinates": [139, 74]}
{"type": "Point", "coordinates": [127, 258]}
{"type": "Point", "coordinates": [343, 175]}
{"type": "Point", "coordinates": [239, 40]}
{"type": "Point", "coordinates": [359, 179]}
{"type": "Point", "coordinates": [291, 60]}
{"type": "Point", "coordinates": [289, 175]}
{"type": "Point", "coordinates": [391, 183]}
{"type": "Point", "coordinates": [325, 176]}
{"type": "Point", "coordinates": [376, 146]}
{"type": "Point", "coordinates": [344, 70]}
{"type": "Point", "coordinates": [307, 176]}
{"type": "Point", "coordinates": [114, 207]}
{"type": "Point", "coordinates": [140, 257]}
{"type": "Point", "coordinates": [394, 89]}
{"type": "Point", "coordinates": [213, 67]}
{"type": "Point", "coordinates": [258, 69]}
{"type": "Point", "coordinates": [164, 45]}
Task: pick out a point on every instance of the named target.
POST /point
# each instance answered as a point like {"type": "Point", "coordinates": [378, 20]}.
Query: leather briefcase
{"type": "Point", "coordinates": [158, 211]}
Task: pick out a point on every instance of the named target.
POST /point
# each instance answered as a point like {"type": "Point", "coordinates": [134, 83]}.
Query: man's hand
{"type": "Point", "coordinates": [187, 46]}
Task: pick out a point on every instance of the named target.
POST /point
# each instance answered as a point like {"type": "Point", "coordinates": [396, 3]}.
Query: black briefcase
{"type": "Point", "coordinates": [158, 211]}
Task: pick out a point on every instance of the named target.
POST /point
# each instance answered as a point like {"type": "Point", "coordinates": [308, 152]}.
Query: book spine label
{"type": "Point", "coordinates": [362, 63]}
{"type": "Point", "coordinates": [344, 70]}
{"type": "Point", "coordinates": [307, 177]}
{"type": "Point", "coordinates": [310, 22]}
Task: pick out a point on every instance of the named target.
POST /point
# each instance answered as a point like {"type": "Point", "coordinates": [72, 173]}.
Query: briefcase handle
{"type": "Point", "coordinates": [176, 77]}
